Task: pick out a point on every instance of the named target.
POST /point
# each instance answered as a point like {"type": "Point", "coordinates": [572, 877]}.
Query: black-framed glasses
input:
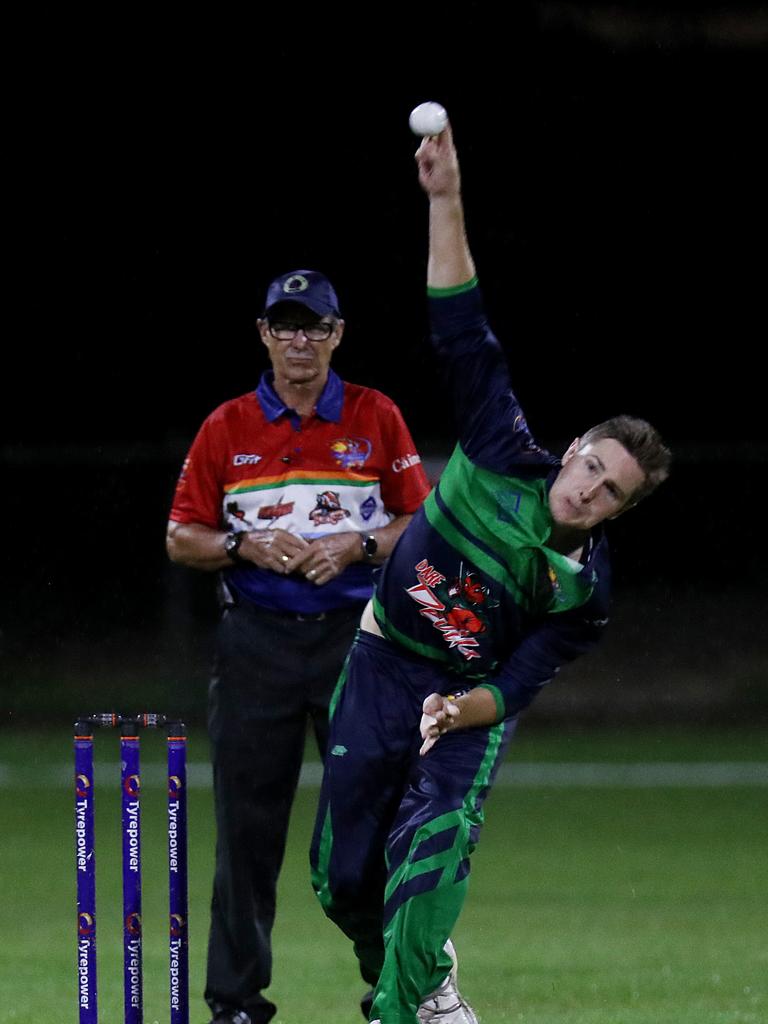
{"type": "Point", "coordinates": [283, 331]}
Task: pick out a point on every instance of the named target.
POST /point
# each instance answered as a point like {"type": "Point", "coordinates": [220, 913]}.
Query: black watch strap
{"type": "Point", "coordinates": [232, 545]}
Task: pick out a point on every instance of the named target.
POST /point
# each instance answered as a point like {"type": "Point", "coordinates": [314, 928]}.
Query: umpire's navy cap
{"type": "Point", "coordinates": [307, 287]}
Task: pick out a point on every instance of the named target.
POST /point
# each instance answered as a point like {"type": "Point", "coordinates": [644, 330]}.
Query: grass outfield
{"type": "Point", "coordinates": [587, 905]}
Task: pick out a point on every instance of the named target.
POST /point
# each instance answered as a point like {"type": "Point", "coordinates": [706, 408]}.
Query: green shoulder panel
{"type": "Point", "coordinates": [501, 524]}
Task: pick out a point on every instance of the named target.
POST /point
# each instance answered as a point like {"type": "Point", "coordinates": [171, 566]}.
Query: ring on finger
{"type": "Point", "coordinates": [284, 558]}
{"type": "Point", "coordinates": [312, 573]}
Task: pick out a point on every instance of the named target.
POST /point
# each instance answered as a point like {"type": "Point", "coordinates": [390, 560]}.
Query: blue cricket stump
{"type": "Point", "coordinates": [130, 794]}
{"type": "Point", "coordinates": [85, 848]}
{"type": "Point", "coordinates": [178, 944]}
{"type": "Point", "coordinates": [85, 852]}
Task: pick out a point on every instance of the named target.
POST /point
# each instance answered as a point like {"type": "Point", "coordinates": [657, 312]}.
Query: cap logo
{"type": "Point", "coordinates": [295, 284]}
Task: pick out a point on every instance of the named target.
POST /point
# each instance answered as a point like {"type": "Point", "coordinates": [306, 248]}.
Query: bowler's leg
{"type": "Point", "coordinates": [373, 737]}
{"type": "Point", "coordinates": [435, 831]}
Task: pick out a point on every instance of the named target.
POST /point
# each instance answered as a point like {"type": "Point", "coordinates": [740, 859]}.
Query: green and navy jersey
{"type": "Point", "coordinates": [472, 582]}
{"type": "Point", "coordinates": [255, 464]}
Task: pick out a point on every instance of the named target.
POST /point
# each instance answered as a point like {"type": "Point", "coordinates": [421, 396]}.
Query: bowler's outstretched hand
{"type": "Point", "coordinates": [438, 165]}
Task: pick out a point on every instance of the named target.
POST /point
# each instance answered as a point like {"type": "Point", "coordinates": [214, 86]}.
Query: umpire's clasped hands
{"type": "Point", "coordinates": [283, 552]}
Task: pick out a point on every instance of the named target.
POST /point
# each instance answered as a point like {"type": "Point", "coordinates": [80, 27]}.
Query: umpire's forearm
{"type": "Point", "coordinates": [387, 536]}
{"type": "Point", "coordinates": [200, 547]}
{"type": "Point", "coordinates": [196, 546]}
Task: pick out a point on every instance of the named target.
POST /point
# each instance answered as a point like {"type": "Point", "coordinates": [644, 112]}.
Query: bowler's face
{"type": "Point", "coordinates": [596, 483]}
{"type": "Point", "coordinates": [298, 360]}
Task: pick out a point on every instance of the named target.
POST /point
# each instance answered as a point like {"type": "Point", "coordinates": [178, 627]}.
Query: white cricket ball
{"type": "Point", "coordinates": [428, 119]}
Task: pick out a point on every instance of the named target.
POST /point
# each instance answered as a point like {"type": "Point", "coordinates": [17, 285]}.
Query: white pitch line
{"type": "Point", "coordinates": [639, 775]}
{"type": "Point", "coordinates": [645, 775]}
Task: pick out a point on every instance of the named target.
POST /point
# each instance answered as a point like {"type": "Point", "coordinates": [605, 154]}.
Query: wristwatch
{"type": "Point", "coordinates": [370, 545]}
{"type": "Point", "coordinates": [232, 545]}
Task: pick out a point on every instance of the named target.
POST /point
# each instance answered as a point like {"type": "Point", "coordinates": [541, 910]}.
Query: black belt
{"type": "Point", "coordinates": [315, 616]}
{"type": "Point", "coordinates": [347, 610]}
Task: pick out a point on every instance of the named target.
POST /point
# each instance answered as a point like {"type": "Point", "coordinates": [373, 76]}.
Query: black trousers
{"type": "Point", "coordinates": [272, 673]}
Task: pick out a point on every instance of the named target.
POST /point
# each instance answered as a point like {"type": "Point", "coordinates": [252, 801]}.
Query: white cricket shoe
{"type": "Point", "coordinates": [446, 1005]}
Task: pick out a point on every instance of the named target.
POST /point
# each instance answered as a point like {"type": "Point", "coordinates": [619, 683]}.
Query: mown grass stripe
{"type": "Point", "coordinates": [636, 775]}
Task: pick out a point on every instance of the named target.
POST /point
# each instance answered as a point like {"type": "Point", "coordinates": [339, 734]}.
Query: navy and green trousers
{"type": "Point", "coordinates": [395, 830]}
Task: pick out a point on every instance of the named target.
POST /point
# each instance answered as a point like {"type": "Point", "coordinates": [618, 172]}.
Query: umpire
{"type": "Point", "coordinates": [294, 493]}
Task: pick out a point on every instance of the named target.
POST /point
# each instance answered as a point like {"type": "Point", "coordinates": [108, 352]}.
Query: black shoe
{"type": "Point", "coordinates": [366, 1003]}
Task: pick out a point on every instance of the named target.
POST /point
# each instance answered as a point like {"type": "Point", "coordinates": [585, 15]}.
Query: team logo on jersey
{"type": "Point", "coordinates": [557, 588]}
{"type": "Point", "coordinates": [351, 452]}
{"type": "Point", "coordinates": [405, 462]}
{"type": "Point", "coordinates": [235, 512]}
{"type": "Point", "coordinates": [246, 460]}
{"type": "Point", "coordinates": [367, 508]}
{"type": "Point", "coordinates": [508, 506]}
{"type": "Point", "coordinates": [273, 512]}
{"type": "Point", "coordinates": [457, 608]}
{"type": "Point", "coordinates": [328, 509]}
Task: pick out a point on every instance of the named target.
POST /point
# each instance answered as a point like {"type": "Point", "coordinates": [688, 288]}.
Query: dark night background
{"type": "Point", "coordinates": [615, 188]}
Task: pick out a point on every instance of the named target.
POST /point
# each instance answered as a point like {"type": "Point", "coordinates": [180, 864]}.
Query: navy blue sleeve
{"type": "Point", "coordinates": [493, 432]}
{"type": "Point", "coordinates": [540, 656]}
{"type": "Point", "coordinates": [554, 642]}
